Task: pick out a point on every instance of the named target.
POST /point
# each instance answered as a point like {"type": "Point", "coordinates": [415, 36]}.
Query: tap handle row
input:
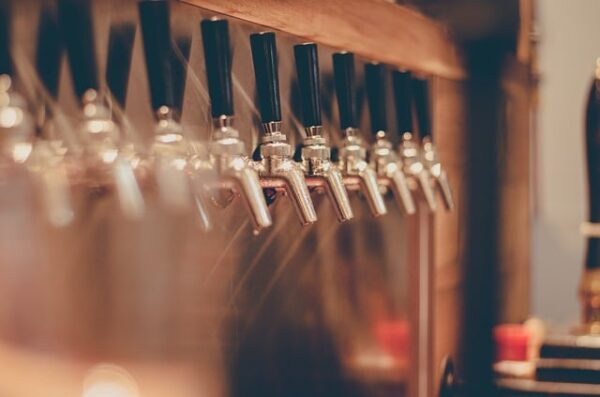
{"type": "Point", "coordinates": [422, 106]}
{"type": "Point", "coordinates": [402, 82]}
{"type": "Point", "coordinates": [156, 34]}
{"type": "Point", "coordinates": [78, 34]}
{"type": "Point", "coordinates": [118, 64]}
{"type": "Point", "coordinates": [6, 66]}
{"type": "Point", "coordinates": [307, 68]}
{"type": "Point", "coordinates": [49, 51]}
{"type": "Point", "coordinates": [375, 84]}
{"type": "Point", "coordinates": [217, 56]}
{"type": "Point", "coordinates": [264, 57]}
{"type": "Point", "coordinates": [343, 70]}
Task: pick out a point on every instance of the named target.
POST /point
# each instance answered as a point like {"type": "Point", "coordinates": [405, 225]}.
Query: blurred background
{"type": "Point", "coordinates": [567, 55]}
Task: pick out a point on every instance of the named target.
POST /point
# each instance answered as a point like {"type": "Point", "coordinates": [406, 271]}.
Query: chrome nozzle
{"type": "Point", "coordinates": [336, 190]}
{"type": "Point", "coordinates": [295, 185]}
{"type": "Point", "coordinates": [410, 155]}
{"type": "Point", "coordinates": [437, 172]}
{"type": "Point", "coordinates": [251, 191]}
{"type": "Point", "coordinates": [316, 160]}
{"type": "Point", "coordinates": [277, 164]}
{"type": "Point", "coordinates": [401, 190]}
{"type": "Point", "coordinates": [387, 165]}
{"type": "Point", "coordinates": [370, 186]}
{"type": "Point", "coordinates": [353, 163]}
{"type": "Point", "coordinates": [227, 153]}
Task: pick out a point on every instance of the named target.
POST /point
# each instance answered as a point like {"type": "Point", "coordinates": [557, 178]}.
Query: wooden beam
{"type": "Point", "coordinates": [373, 29]}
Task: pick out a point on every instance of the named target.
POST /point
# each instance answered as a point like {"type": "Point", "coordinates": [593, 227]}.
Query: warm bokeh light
{"type": "Point", "coordinates": [109, 380]}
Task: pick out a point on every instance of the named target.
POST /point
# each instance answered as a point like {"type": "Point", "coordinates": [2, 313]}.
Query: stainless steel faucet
{"type": "Point", "coordinates": [409, 148]}
{"type": "Point", "coordinates": [315, 152]}
{"type": "Point", "coordinates": [382, 156]}
{"type": "Point", "coordinates": [227, 150]}
{"type": "Point", "coordinates": [276, 163]}
{"type": "Point", "coordinates": [352, 152]}
{"type": "Point", "coordinates": [429, 154]}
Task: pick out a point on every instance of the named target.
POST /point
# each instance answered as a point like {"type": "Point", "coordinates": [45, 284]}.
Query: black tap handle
{"type": "Point", "coordinates": [156, 34]}
{"type": "Point", "coordinates": [375, 82]}
{"type": "Point", "coordinates": [183, 44]}
{"type": "Point", "coordinates": [118, 64]}
{"type": "Point", "coordinates": [49, 51]}
{"type": "Point", "coordinates": [217, 56]}
{"type": "Point", "coordinates": [592, 135]}
{"type": "Point", "coordinates": [307, 69]}
{"type": "Point", "coordinates": [264, 57]}
{"type": "Point", "coordinates": [422, 106]}
{"type": "Point", "coordinates": [6, 66]}
{"type": "Point", "coordinates": [343, 70]}
{"type": "Point", "coordinates": [402, 81]}
{"type": "Point", "coordinates": [78, 35]}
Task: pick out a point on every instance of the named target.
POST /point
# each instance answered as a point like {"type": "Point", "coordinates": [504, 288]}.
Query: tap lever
{"type": "Point", "coordinates": [592, 137]}
{"type": "Point", "coordinates": [343, 70]}
{"type": "Point", "coordinates": [77, 26]}
{"type": "Point", "coordinates": [217, 57]}
{"type": "Point", "coordinates": [49, 51]}
{"type": "Point", "coordinates": [156, 32]}
{"type": "Point", "coordinates": [118, 63]}
{"type": "Point", "coordinates": [6, 66]}
{"type": "Point", "coordinates": [375, 82]}
{"type": "Point", "coordinates": [420, 89]}
{"type": "Point", "coordinates": [264, 56]}
{"type": "Point", "coordinates": [307, 68]}
{"type": "Point", "coordinates": [403, 100]}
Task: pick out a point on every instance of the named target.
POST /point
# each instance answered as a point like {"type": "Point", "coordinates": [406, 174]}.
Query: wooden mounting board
{"type": "Point", "coordinates": [374, 29]}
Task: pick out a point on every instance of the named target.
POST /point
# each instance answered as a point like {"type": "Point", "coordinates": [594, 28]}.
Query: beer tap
{"type": "Point", "coordinates": [409, 148]}
{"type": "Point", "coordinates": [98, 132]}
{"type": "Point", "coordinates": [352, 153]}
{"type": "Point", "coordinates": [180, 165]}
{"type": "Point", "coordinates": [382, 156]}
{"type": "Point", "coordinates": [589, 290]}
{"type": "Point", "coordinates": [430, 157]}
{"type": "Point", "coordinates": [315, 152]}
{"type": "Point", "coordinates": [276, 162]}
{"type": "Point", "coordinates": [118, 62]}
{"type": "Point", "coordinates": [227, 150]}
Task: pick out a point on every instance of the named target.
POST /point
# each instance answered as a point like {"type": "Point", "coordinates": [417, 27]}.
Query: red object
{"type": "Point", "coordinates": [512, 342]}
{"type": "Point", "coordinates": [393, 337]}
